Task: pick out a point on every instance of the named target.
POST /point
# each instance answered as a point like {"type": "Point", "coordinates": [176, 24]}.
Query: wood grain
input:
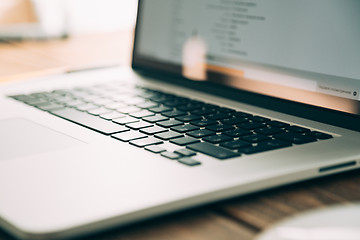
{"type": "Point", "coordinates": [261, 210]}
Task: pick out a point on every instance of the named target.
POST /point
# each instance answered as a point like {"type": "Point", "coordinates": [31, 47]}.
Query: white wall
{"type": "Point", "coordinates": [100, 15]}
{"type": "Point", "coordinates": [56, 17]}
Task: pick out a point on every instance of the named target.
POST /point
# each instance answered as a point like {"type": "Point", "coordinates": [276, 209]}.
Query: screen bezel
{"type": "Point", "coordinates": [343, 113]}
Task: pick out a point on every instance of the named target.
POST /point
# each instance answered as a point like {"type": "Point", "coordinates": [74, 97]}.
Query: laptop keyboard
{"type": "Point", "coordinates": [147, 118]}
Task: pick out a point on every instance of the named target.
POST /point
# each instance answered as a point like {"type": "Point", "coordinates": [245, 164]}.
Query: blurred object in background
{"type": "Point", "coordinates": [21, 19]}
{"type": "Point", "coordinates": [43, 19]}
{"type": "Point", "coordinates": [16, 11]}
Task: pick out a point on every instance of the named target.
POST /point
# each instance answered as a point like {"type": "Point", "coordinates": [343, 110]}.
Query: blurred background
{"type": "Point", "coordinates": [42, 37]}
{"type": "Point", "coordinates": [56, 18]}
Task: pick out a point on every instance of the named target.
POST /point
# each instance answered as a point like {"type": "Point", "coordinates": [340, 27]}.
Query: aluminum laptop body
{"type": "Point", "coordinates": [239, 63]}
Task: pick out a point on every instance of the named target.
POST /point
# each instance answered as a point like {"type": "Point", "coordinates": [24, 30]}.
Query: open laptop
{"type": "Point", "coordinates": [224, 98]}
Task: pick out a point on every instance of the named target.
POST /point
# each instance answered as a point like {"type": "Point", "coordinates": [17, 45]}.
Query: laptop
{"type": "Point", "coordinates": [224, 98]}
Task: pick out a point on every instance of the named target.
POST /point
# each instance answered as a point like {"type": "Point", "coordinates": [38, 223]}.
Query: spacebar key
{"type": "Point", "coordinates": [93, 122]}
{"type": "Point", "coordinates": [212, 150]}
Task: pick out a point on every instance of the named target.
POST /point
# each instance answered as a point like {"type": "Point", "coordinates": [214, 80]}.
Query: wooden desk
{"type": "Point", "coordinates": [34, 58]}
{"type": "Point", "coordinates": [240, 218]}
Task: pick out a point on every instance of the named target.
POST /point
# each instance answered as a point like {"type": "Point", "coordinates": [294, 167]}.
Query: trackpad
{"type": "Point", "coordinates": [20, 137]}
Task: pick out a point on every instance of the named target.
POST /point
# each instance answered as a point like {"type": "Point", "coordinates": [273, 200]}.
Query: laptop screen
{"type": "Point", "coordinates": [305, 51]}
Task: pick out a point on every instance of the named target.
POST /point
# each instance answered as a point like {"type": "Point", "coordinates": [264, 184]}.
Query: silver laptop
{"type": "Point", "coordinates": [224, 98]}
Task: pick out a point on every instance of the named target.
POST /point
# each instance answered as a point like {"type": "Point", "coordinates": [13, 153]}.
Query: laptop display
{"type": "Point", "coordinates": [306, 52]}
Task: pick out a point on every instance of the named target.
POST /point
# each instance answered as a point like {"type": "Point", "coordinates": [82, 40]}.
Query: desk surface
{"type": "Point", "coordinates": [239, 218]}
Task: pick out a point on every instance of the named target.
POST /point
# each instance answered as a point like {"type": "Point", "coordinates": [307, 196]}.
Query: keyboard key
{"type": "Point", "coordinates": [233, 120]}
{"type": "Point", "coordinates": [48, 95]}
{"type": "Point", "coordinates": [102, 101]}
{"type": "Point", "coordinates": [318, 135]}
{"type": "Point", "coordinates": [189, 161]}
{"type": "Point", "coordinates": [87, 107]}
{"type": "Point", "coordinates": [129, 135]}
{"type": "Point", "coordinates": [202, 111]}
{"type": "Point", "coordinates": [188, 118]}
{"type": "Point", "coordinates": [225, 110]}
{"type": "Point", "coordinates": [138, 125]}
{"type": "Point", "coordinates": [159, 98]}
{"type": "Point", "coordinates": [145, 94]}
{"type": "Point", "coordinates": [297, 129]}
{"type": "Point", "coordinates": [203, 122]}
{"type": "Point", "coordinates": [61, 92]}
{"type": "Point", "coordinates": [184, 128]}
{"type": "Point", "coordinates": [235, 144]}
{"type": "Point", "coordinates": [200, 133]}
{"type": "Point", "coordinates": [147, 105]}
{"type": "Point", "coordinates": [217, 138]}
{"type": "Point", "coordinates": [295, 138]}
{"type": "Point", "coordinates": [133, 100]}
{"type": "Point", "coordinates": [168, 135]}
{"type": "Point", "coordinates": [128, 109]}
{"type": "Point", "coordinates": [115, 105]}
{"type": "Point", "coordinates": [99, 111]}
{"type": "Point", "coordinates": [210, 106]}
{"type": "Point", "coordinates": [90, 98]}
{"type": "Point", "coordinates": [259, 119]}
{"type": "Point", "coordinates": [174, 103]}
{"type": "Point", "coordinates": [125, 120]}
{"type": "Point", "coordinates": [121, 96]}
{"type": "Point", "coordinates": [155, 148]}
{"type": "Point", "coordinates": [51, 107]}
{"type": "Point", "coordinates": [185, 152]}
{"type": "Point", "coordinates": [160, 109]}
{"type": "Point", "coordinates": [184, 140]}
{"type": "Point", "coordinates": [189, 107]}
{"type": "Point", "coordinates": [250, 125]}
{"type": "Point", "coordinates": [23, 98]}
{"type": "Point", "coordinates": [156, 118]}
{"type": "Point", "coordinates": [89, 121]}
{"type": "Point", "coordinates": [269, 130]}
{"type": "Point", "coordinates": [238, 132]}
{"type": "Point", "coordinates": [255, 138]}
{"type": "Point", "coordinates": [37, 102]}
{"type": "Point", "coordinates": [241, 114]}
{"type": "Point", "coordinates": [170, 155]}
{"type": "Point", "coordinates": [278, 124]}
{"type": "Point", "coordinates": [265, 146]}
{"type": "Point", "coordinates": [153, 130]}
{"type": "Point", "coordinates": [212, 150]}
{"type": "Point", "coordinates": [219, 127]}
{"type": "Point", "coordinates": [173, 113]}
{"type": "Point", "coordinates": [141, 114]}
{"type": "Point", "coordinates": [112, 115]}
{"type": "Point", "coordinates": [169, 123]}
{"type": "Point", "coordinates": [75, 103]}
{"type": "Point", "coordinates": [218, 116]}
{"type": "Point", "coordinates": [145, 142]}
